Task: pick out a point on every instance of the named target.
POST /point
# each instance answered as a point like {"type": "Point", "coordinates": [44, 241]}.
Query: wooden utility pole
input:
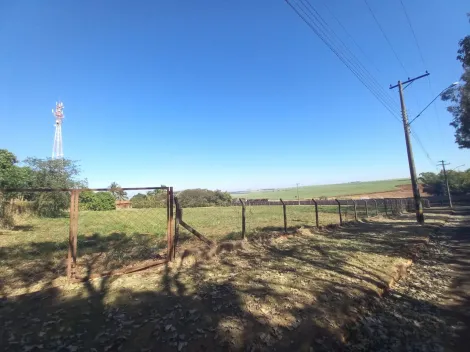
{"type": "Point", "coordinates": [411, 161]}
{"type": "Point", "coordinates": [447, 182]}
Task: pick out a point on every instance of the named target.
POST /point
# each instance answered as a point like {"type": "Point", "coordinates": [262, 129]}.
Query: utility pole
{"type": "Point", "coordinates": [447, 182]}
{"type": "Point", "coordinates": [298, 199]}
{"type": "Point", "coordinates": [411, 161]}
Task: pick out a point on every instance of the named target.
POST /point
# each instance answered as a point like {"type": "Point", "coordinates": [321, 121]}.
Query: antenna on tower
{"type": "Point", "coordinates": [57, 151]}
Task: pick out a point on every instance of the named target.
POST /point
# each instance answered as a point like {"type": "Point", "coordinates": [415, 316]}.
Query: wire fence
{"type": "Point", "coordinates": [54, 235]}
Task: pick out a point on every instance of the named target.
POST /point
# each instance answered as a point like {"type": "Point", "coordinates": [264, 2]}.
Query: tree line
{"type": "Point", "coordinates": [64, 174]}
{"type": "Point", "coordinates": [434, 183]}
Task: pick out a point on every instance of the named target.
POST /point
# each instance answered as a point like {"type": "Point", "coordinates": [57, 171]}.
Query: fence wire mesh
{"type": "Point", "coordinates": [34, 240]}
{"type": "Point", "coordinates": [117, 239]}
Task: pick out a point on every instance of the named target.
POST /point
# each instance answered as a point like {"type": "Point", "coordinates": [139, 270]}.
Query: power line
{"type": "Point", "coordinates": [438, 120]}
{"type": "Point", "coordinates": [414, 34]}
{"type": "Point", "coordinates": [416, 137]}
{"type": "Point", "coordinates": [315, 24]}
{"type": "Point", "coordinates": [352, 59]}
{"type": "Point", "coordinates": [385, 36]}
{"type": "Point", "coordinates": [325, 4]}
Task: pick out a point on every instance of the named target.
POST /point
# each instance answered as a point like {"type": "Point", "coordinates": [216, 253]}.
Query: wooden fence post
{"type": "Point", "coordinates": [376, 207]}
{"type": "Point", "coordinates": [355, 210]}
{"type": "Point", "coordinates": [367, 209]}
{"type": "Point", "coordinates": [316, 212]}
{"type": "Point", "coordinates": [73, 230]}
{"type": "Point", "coordinates": [385, 205]}
{"type": "Point", "coordinates": [339, 212]}
{"type": "Point", "coordinates": [285, 215]}
{"type": "Point", "coordinates": [243, 219]}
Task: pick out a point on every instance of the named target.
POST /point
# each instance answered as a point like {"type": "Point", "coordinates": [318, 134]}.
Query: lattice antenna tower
{"type": "Point", "coordinates": [57, 151]}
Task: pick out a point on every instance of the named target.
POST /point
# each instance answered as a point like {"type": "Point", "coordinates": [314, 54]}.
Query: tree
{"type": "Point", "coordinates": [459, 182]}
{"type": "Point", "coordinates": [203, 198]}
{"type": "Point", "coordinates": [12, 175]}
{"type": "Point", "coordinates": [459, 97]}
{"type": "Point", "coordinates": [89, 200]}
{"type": "Point", "coordinates": [117, 192]}
{"type": "Point", "coordinates": [55, 174]}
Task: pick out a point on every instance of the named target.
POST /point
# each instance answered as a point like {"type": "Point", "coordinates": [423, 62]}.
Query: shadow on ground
{"type": "Point", "coordinates": [186, 309]}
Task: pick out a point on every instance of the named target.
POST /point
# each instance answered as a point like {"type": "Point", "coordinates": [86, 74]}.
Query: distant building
{"type": "Point", "coordinates": [123, 204]}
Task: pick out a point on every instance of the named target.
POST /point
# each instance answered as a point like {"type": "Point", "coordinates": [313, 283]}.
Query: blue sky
{"type": "Point", "coordinates": [223, 94]}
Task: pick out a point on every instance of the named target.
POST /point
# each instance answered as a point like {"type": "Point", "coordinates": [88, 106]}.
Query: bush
{"type": "Point", "coordinates": [96, 201]}
{"type": "Point", "coordinates": [153, 199]}
{"type": "Point", "coordinates": [51, 204]}
{"type": "Point", "coordinates": [203, 198]}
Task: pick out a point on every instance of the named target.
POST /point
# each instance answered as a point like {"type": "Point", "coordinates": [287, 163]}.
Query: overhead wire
{"type": "Point", "coordinates": [385, 36]}
{"type": "Point", "coordinates": [350, 56]}
{"type": "Point", "coordinates": [423, 61]}
{"type": "Point", "coordinates": [320, 27]}
{"type": "Point", "coordinates": [325, 4]}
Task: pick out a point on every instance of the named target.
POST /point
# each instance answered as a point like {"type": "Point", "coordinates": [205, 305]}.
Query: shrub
{"type": "Point", "coordinates": [203, 198]}
{"type": "Point", "coordinates": [96, 201]}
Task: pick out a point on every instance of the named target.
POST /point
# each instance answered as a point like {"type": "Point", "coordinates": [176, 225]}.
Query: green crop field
{"type": "Point", "coordinates": [335, 190]}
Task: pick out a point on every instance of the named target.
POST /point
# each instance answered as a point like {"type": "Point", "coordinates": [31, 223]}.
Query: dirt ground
{"type": "Point", "coordinates": [302, 291]}
{"type": "Point", "coordinates": [403, 191]}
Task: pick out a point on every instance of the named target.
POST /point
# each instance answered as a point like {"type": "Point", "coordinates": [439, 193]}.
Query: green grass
{"type": "Point", "coordinates": [35, 251]}
{"type": "Point", "coordinates": [335, 190]}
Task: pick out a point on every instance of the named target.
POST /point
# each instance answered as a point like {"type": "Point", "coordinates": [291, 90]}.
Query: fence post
{"type": "Point", "coordinates": [355, 210]}
{"type": "Point", "coordinates": [367, 209]}
{"type": "Point", "coordinates": [376, 207]}
{"type": "Point", "coordinates": [169, 205]}
{"type": "Point", "coordinates": [316, 212]}
{"type": "Point", "coordinates": [285, 215]}
{"type": "Point", "coordinates": [385, 205]}
{"type": "Point", "coordinates": [73, 229]}
{"type": "Point", "coordinates": [243, 219]}
{"type": "Point", "coordinates": [339, 212]}
{"type": "Point", "coordinates": [178, 217]}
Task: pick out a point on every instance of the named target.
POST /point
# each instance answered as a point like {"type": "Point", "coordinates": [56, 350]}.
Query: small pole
{"type": "Point", "coordinates": [243, 218]}
{"type": "Point", "coordinates": [177, 224]}
{"type": "Point", "coordinates": [385, 205]}
{"type": "Point", "coordinates": [339, 212]}
{"type": "Point", "coordinates": [298, 199]}
{"type": "Point", "coordinates": [73, 229]}
{"type": "Point", "coordinates": [367, 209]}
{"type": "Point", "coordinates": [376, 207]}
{"type": "Point", "coordinates": [355, 210]}
{"type": "Point", "coordinates": [316, 212]}
{"type": "Point", "coordinates": [449, 198]}
{"type": "Point", "coordinates": [285, 215]}
{"type": "Point", "coordinates": [170, 225]}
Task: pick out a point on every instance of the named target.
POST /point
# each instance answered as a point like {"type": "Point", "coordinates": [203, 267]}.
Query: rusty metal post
{"type": "Point", "coordinates": [285, 215]}
{"type": "Point", "coordinates": [355, 210]}
{"type": "Point", "coordinates": [376, 207]}
{"type": "Point", "coordinates": [243, 219]}
{"type": "Point", "coordinates": [168, 230]}
{"type": "Point", "coordinates": [73, 229]}
{"type": "Point", "coordinates": [367, 209]}
{"type": "Point", "coordinates": [177, 225]}
{"type": "Point", "coordinates": [339, 212]}
{"type": "Point", "coordinates": [170, 225]}
{"type": "Point", "coordinates": [316, 212]}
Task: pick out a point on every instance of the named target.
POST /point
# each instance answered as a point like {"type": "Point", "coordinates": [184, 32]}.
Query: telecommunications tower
{"type": "Point", "coordinates": [57, 152]}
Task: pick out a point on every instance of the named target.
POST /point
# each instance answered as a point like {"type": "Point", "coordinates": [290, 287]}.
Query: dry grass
{"type": "Point", "coordinates": [284, 292]}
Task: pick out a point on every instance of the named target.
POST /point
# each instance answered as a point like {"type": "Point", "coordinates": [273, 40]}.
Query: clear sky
{"type": "Point", "coordinates": [224, 94]}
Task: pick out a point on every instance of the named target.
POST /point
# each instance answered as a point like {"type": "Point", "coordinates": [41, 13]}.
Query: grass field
{"type": "Point", "coordinates": [342, 189]}
{"type": "Point", "coordinates": [284, 293]}
{"type": "Point", "coordinates": [35, 250]}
